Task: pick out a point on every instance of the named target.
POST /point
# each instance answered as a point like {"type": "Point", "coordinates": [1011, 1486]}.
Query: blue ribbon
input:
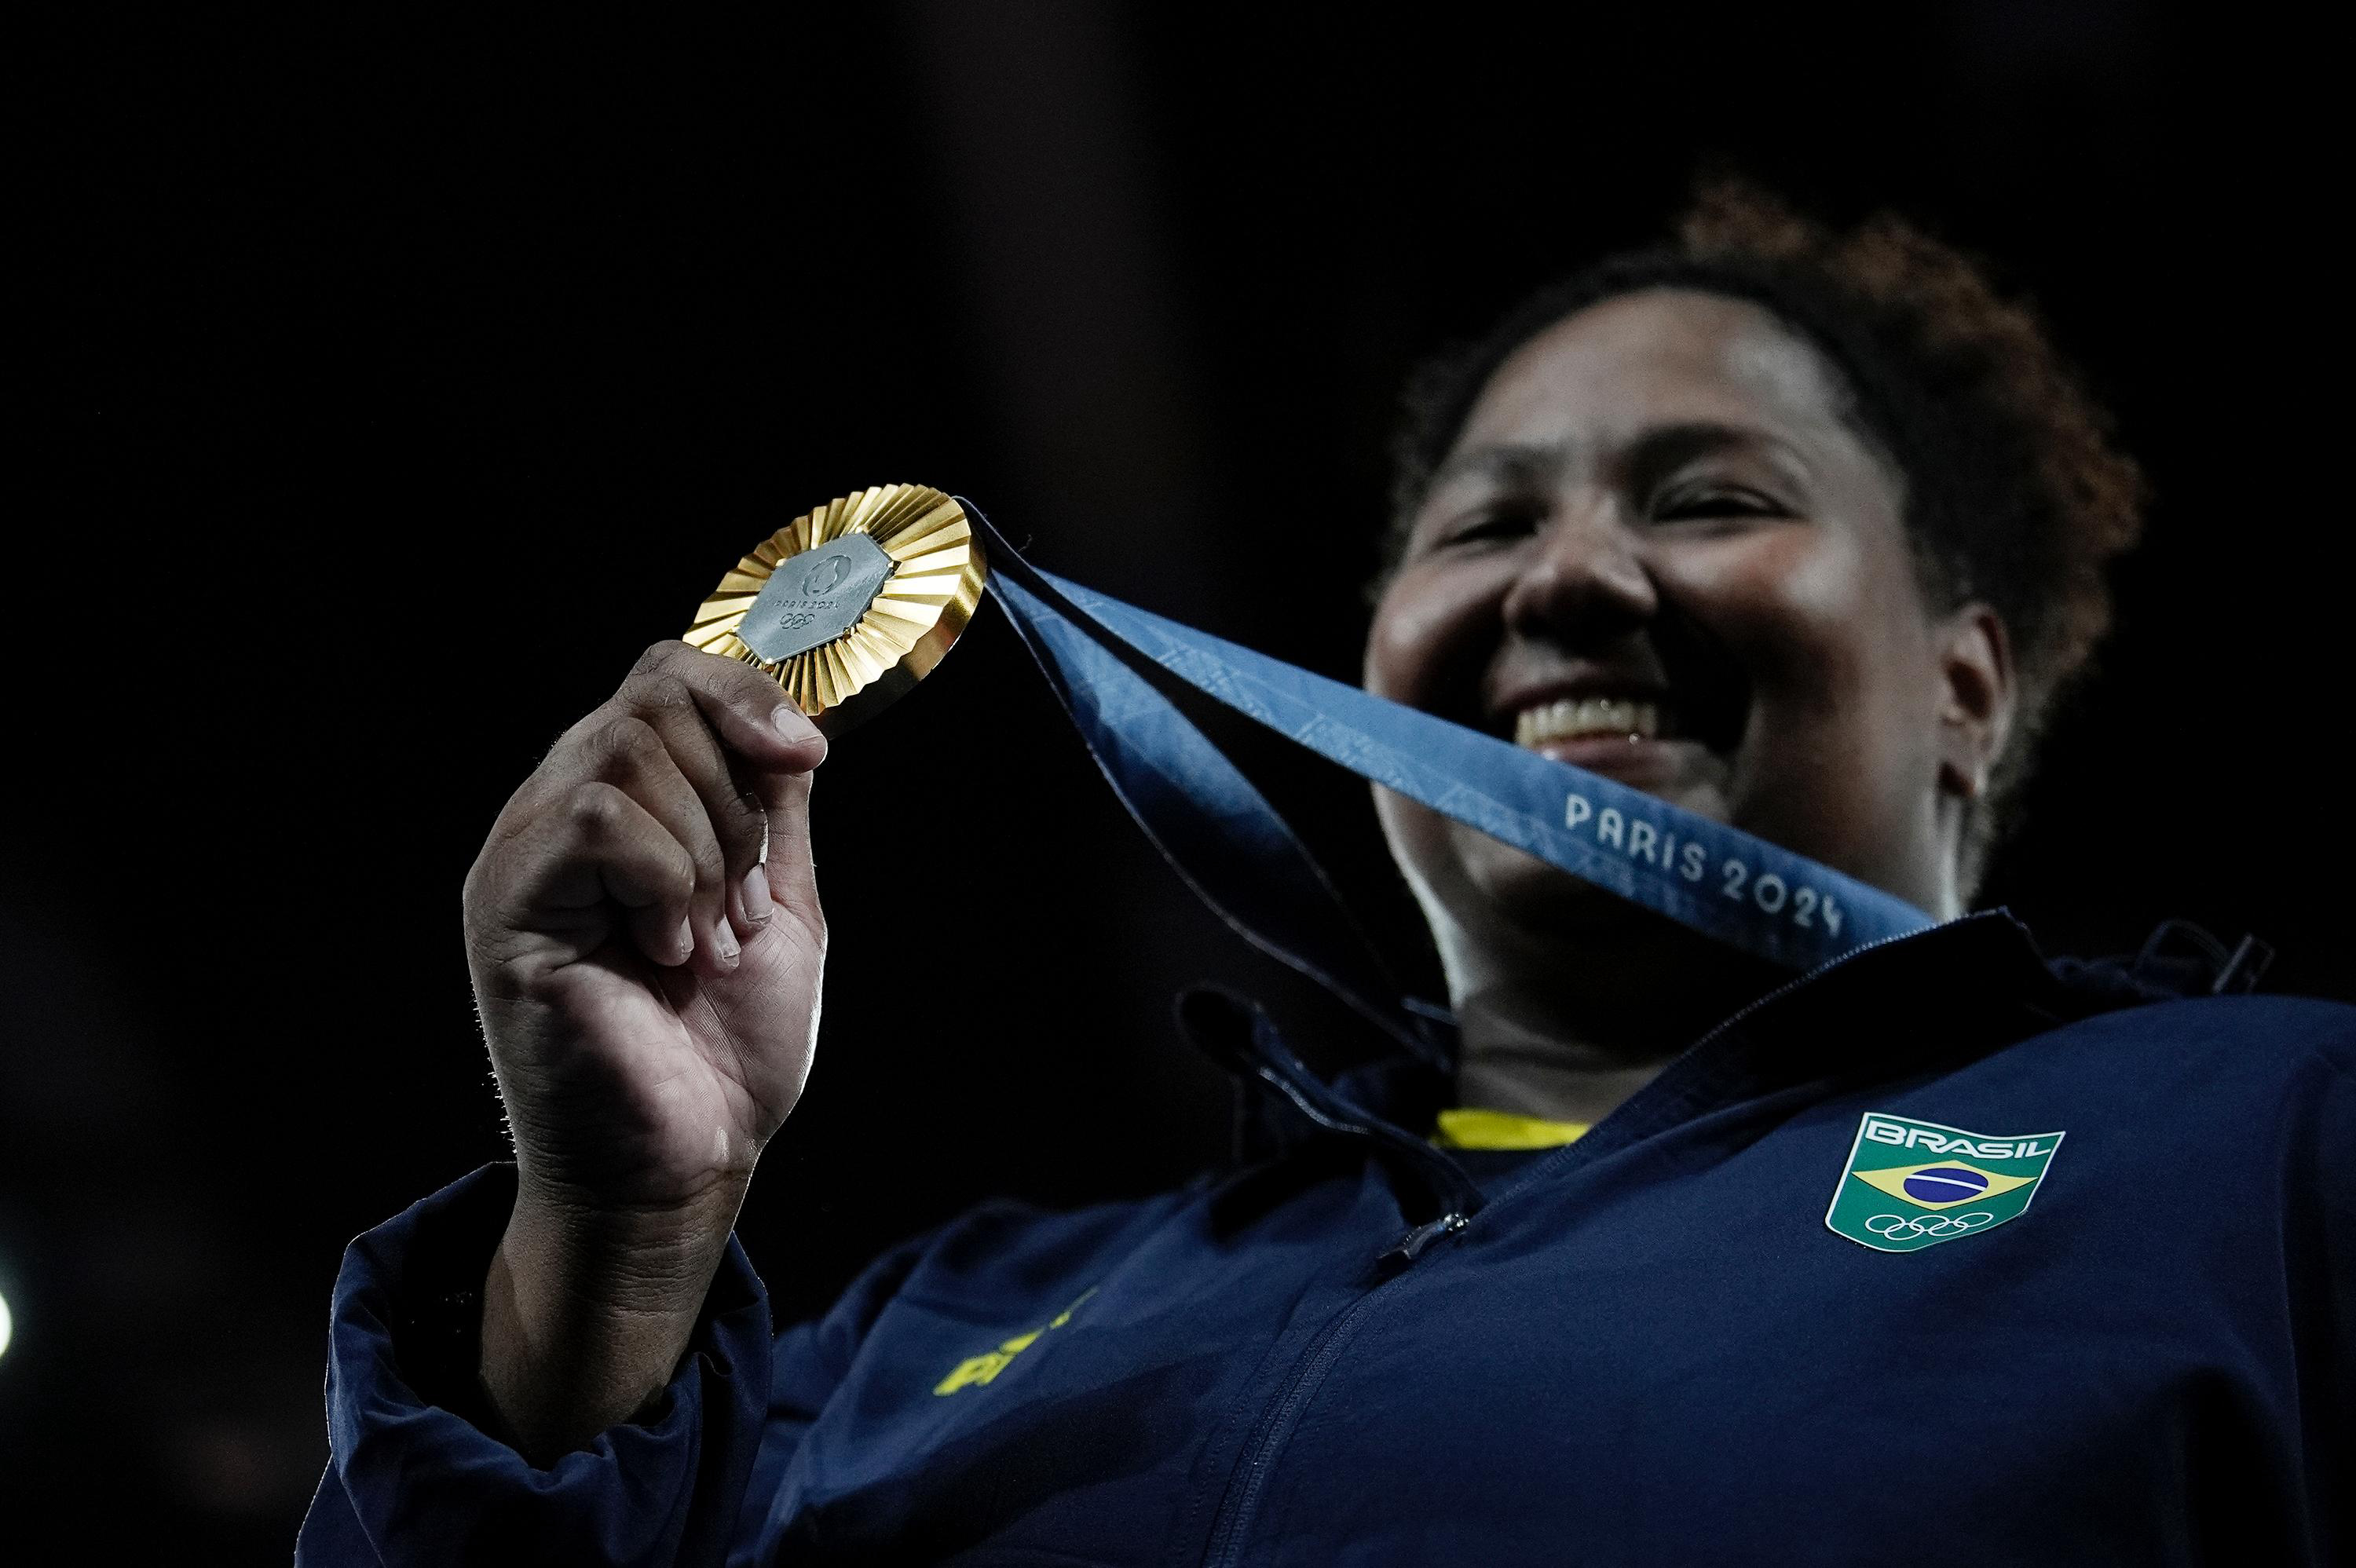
{"type": "Point", "coordinates": [1238, 854]}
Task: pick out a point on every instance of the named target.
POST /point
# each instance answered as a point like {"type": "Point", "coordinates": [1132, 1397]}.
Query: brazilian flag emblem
{"type": "Point", "coordinates": [1912, 1185]}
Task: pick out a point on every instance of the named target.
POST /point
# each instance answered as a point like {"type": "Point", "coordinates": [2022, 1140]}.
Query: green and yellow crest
{"type": "Point", "coordinates": [1911, 1185]}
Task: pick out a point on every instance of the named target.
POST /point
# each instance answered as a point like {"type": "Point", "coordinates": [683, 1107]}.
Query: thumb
{"type": "Point", "coordinates": [785, 852]}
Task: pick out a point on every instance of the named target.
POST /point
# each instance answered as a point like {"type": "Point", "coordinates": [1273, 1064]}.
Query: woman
{"type": "Point", "coordinates": [1800, 531]}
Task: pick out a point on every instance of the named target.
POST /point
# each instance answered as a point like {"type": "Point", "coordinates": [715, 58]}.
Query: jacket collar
{"type": "Point", "coordinates": [1952, 993]}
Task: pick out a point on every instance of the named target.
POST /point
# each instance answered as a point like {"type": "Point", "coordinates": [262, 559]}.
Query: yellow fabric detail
{"type": "Point", "coordinates": [973, 1370]}
{"type": "Point", "coordinates": [1472, 1127]}
{"type": "Point", "coordinates": [977, 1370]}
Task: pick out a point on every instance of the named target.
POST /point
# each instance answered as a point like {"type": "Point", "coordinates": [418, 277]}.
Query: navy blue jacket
{"type": "Point", "coordinates": [1646, 1347]}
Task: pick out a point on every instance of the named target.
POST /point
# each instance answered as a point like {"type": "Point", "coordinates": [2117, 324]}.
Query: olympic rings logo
{"type": "Point", "coordinates": [1898, 1229]}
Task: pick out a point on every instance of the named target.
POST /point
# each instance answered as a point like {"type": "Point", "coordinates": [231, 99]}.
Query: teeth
{"type": "Point", "coordinates": [1570, 718]}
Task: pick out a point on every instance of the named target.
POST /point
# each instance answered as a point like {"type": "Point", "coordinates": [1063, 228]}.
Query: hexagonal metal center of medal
{"type": "Point", "coordinates": [815, 597]}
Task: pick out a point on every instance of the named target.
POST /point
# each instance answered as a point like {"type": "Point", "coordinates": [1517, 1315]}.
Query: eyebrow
{"type": "Point", "coordinates": [1519, 462]}
{"type": "Point", "coordinates": [1655, 452]}
{"type": "Point", "coordinates": [1666, 448]}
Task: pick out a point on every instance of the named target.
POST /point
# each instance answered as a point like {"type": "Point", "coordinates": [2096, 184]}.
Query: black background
{"type": "Point", "coordinates": [388, 384]}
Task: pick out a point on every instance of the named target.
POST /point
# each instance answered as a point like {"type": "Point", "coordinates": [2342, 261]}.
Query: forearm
{"type": "Point", "coordinates": [585, 1314]}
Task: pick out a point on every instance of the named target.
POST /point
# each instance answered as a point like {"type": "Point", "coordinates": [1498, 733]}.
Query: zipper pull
{"type": "Point", "coordinates": [1409, 1247]}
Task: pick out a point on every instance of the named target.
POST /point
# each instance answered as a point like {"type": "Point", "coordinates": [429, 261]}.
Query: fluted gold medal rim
{"type": "Point", "coordinates": [936, 579]}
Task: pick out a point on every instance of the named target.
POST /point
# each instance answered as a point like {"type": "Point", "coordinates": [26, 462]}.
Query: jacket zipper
{"type": "Point", "coordinates": [1454, 1191]}
{"type": "Point", "coordinates": [1268, 1063]}
{"type": "Point", "coordinates": [1252, 1470]}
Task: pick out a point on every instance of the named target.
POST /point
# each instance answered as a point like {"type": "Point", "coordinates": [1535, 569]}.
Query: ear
{"type": "Point", "coordinates": [1976, 697]}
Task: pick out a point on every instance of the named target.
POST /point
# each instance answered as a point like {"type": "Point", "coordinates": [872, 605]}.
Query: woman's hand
{"type": "Point", "coordinates": [644, 934]}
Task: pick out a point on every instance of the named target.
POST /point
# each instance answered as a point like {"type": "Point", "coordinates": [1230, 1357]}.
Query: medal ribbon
{"type": "Point", "coordinates": [1230, 845]}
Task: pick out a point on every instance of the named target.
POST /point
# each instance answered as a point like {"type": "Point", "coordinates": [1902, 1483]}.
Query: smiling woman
{"type": "Point", "coordinates": [1882, 350]}
{"type": "Point", "coordinates": [1799, 532]}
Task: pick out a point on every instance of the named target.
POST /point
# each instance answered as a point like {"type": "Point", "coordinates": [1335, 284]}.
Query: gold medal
{"type": "Point", "coordinates": [849, 606]}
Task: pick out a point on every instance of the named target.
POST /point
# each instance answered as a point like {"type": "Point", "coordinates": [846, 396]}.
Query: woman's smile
{"type": "Point", "coordinates": [1660, 551]}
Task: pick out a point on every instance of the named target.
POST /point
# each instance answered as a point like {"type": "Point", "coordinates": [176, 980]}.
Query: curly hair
{"type": "Point", "coordinates": [2016, 495]}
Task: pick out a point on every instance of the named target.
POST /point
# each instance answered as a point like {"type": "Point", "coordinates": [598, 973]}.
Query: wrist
{"type": "Point", "coordinates": [586, 1310]}
{"type": "Point", "coordinates": [623, 1258]}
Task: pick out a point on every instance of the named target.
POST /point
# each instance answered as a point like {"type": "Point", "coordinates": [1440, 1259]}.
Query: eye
{"type": "Point", "coordinates": [1708, 501]}
{"type": "Point", "coordinates": [1488, 523]}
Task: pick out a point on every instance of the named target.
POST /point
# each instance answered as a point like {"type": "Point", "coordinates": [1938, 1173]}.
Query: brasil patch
{"type": "Point", "coordinates": [1911, 1185]}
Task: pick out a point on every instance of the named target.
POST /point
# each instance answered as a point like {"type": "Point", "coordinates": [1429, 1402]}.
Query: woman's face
{"type": "Point", "coordinates": [1659, 552]}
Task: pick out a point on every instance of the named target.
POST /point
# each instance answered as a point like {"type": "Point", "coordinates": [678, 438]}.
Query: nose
{"type": "Point", "coordinates": [1585, 577]}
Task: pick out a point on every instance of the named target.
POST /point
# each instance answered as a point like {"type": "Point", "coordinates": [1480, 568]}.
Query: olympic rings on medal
{"type": "Point", "coordinates": [1899, 1229]}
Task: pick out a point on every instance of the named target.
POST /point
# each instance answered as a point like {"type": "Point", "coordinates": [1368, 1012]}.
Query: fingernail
{"type": "Point", "coordinates": [723, 943]}
{"type": "Point", "coordinates": [795, 727]}
{"type": "Point", "coordinates": [685, 941]}
{"type": "Point", "coordinates": [757, 895]}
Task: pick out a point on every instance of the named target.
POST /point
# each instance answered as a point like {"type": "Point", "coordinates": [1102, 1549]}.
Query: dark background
{"type": "Point", "coordinates": [386, 386]}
